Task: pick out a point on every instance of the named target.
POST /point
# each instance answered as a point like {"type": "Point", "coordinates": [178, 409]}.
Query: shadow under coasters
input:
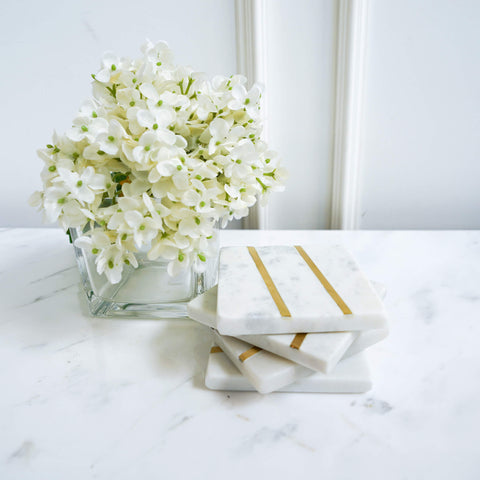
{"type": "Point", "coordinates": [318, 351]}
{"type": "Point", "coordinates": [290, 289]}
{"type": "Point", "coordinates": [351, 375]}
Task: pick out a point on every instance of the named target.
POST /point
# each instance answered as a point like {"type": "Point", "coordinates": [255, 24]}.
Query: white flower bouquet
{"type": "Point", "coordinates": [154, 160]}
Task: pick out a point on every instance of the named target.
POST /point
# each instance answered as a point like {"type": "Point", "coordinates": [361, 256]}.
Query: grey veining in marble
{"type": "Point", "coordinates": [264, 370]}
{"type": "Point", "coordinates": [87, 398]}
{"type": "Point", "coordinates": [351, 375]}
{"type": "Point", "coordinates": [246, 307]}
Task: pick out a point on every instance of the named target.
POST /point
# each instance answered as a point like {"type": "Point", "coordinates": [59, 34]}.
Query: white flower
{"type": "Point", "coordinates": [84, 186]}
{"type": "Point", "coordinates": [144, 229]}
{"type": "Point", "coordinates": [111, 140]}
{"type": "Point", "coordinates": [95, 242]}
{"type": "Point", "coordinates": [158, 53]}
{"type": "Point", "coordinates": [158, 157]}
{"type": "Point", "coordinates": [87, 128]}
{"type": "Point", "coordinates": [110, 64]}
{"type": "Point", "coordinates": [111, 262]}
{"type": "Point", "coordinates": [245, 100]}
{"type": "Point", "coordinates": [54, 200]}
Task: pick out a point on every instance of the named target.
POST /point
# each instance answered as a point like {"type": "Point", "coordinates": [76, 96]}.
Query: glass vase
{"type": "Point", "coordinates": [147, 291]}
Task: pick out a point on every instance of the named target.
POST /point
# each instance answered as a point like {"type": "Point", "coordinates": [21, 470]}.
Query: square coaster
{"type": "Point", "coordinates": [318, 351]}
{"type": "Point", "coordinates": [264, 370]}
{"type": "Point", "coordinates": [351, 375]}
{"type": "Point", "coordinates": [290, 289]}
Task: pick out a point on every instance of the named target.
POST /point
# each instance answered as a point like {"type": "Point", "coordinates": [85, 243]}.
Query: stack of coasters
{"type": "Point", "coordinates": [266, 296]}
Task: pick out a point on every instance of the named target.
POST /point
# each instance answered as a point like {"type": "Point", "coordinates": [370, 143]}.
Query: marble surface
{"type": "Point", "coordinates": [85, 398]}
{"type": "Point", "coordinates": [351, 375]}
{"type": "Point", "coordinates": [318, 351]}
{"type": "Point", "coordinates": [245, 305]}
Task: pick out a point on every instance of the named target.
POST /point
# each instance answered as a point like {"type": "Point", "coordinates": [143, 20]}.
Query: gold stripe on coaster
{"type": "Point", "coordinates": [248, 353]}
{"type": "Point", "coordinates": [298, 340]}
{"type": "Point", "coordinates": [326, 284]}
{"type": "Point", "coordinates": [216, 349]}
{"type": "Point", "coordinates": [282, 308]}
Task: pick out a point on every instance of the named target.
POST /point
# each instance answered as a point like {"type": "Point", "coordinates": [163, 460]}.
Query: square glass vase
{"type": "Point", "coordinates": [147, 291]}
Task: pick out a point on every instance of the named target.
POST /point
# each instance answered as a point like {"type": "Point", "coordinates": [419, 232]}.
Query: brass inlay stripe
{"type": "Point", "coordinates": [326, 284]}
{"type": "Point", "coordinates": [248, 353]}
{"type": "Point", "coordinates": [216, 349]}
{"type": "Point", "coordinates": [282, 308]}
{"type": "Point", "coordinates": [298, 340]}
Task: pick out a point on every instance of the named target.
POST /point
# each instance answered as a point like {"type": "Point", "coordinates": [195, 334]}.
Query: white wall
{"type": "Point", "coordinates": [421, 151]}
{"type": "Point", "coordinates": [300, 95]}
{"type": "Point", "coordinates": [48, 50]}
{"type": "Point", "coordinates": [420, 143]}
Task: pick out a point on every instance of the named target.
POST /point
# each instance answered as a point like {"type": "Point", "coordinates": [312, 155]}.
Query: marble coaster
{"type": "Point", "coordinates": [290, 289]}
{"type": "Point", "coordinates": [318, 351]}
{"type": "Point", "coordinates": [351, 375]}
{"type": "Point", "coordinates": [264, 370]}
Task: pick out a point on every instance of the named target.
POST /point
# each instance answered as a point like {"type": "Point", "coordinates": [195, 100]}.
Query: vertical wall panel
{"type": "Point", "coordinates": [421, 165]}
{"type": "Point", "coordinates": [300, 98]}
{"type": "Point", "coordinates": [48, 50]}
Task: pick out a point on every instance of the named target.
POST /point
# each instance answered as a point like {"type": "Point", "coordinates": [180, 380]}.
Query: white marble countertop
{"type": "Point", "coordinates": [85, 397]}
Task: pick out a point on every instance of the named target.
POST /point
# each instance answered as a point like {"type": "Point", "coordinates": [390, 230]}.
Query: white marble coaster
{"type": "Point", "coordinates": [264, 370]}
{"type": "Point", "coordinates": [351, 375]}
{"type": "Point", "coordinates": [366, 339]}
{"type": "Point", "coordinates": [318, 351]}
{"type": "Point", "coordinates": [316, 288]}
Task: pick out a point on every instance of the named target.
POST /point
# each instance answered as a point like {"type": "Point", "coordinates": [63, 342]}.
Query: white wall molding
{"type": "Point", "coordinates": [350, 75]}
{"type": "Point", "coordinates": [251, 62]}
